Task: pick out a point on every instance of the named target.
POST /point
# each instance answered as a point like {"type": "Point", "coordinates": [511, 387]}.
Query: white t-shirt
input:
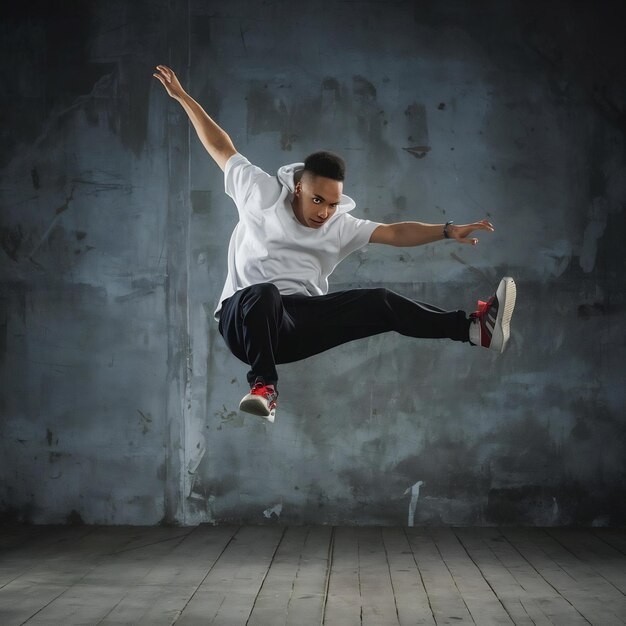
{"type": "Point", "coordinates": [269, 244]}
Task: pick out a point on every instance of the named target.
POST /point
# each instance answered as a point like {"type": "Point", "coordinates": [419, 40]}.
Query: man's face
{"type": "Point", "coordinates": [317, 198]}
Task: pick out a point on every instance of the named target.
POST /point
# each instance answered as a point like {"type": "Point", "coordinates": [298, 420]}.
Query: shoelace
{"type": "Point", "coordinates": [483, 307]}
{"type": "Point", "coordinates": [262, 390]}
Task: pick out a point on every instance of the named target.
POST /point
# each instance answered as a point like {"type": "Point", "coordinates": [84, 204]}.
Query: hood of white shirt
{"type": "Point", "coordinates": [286, 174]}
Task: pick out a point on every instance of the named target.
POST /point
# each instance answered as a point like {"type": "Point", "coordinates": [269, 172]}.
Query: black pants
{"type": "Point", "coordinates": [263, 327]}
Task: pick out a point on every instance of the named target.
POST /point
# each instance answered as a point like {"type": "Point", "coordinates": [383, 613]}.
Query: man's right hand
{"type": "Point", "coordinates": [170, 82]}
{"type": "Point", "coordinates": [215, 139]}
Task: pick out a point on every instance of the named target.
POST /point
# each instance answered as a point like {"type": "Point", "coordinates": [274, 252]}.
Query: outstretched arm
{"type": "Point", "coordinates": [215, 139]}
{"type": "Point", "coordinates": [417, 233]}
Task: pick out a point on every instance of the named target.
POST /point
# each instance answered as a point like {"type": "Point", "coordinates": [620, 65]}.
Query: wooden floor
{"type": "Point", "coordinates": [311, 575]}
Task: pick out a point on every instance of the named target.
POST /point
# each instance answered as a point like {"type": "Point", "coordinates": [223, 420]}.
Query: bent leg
{"type": "Point", "coordinates": [249, 323]}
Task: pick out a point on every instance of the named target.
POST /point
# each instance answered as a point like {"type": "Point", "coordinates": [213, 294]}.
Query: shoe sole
{"type": "Point", "coordinates": [506, 295]}
{"type": "Point", "coordinates": [254, 405]}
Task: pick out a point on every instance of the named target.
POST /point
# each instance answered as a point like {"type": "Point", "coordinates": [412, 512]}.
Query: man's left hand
{"type": "Point", "coordinates": [461, 232]}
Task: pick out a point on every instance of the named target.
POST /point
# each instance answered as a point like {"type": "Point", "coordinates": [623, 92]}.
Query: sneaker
{"type": "Point", "coordinates": [261, 400]}
{"type": "Point", "coordinates": [491, 323]}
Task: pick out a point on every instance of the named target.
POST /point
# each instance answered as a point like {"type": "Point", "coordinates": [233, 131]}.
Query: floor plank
{"type": "Point", "coordinates": [301, 575]}
{"type": "Point", "coordinates": [13, 537]}
{"type": "Point", "coordinates": [98, 576]}
{"type": "Point", "coordinates": [447, 603]}
{"type": "Point", "coordinates": [169, 585]}
{"type": "Point", "coordinates": [546, 600]}
{"type": "Point", "coordinates": [615, 537]}
{"type": "Point", "coordinates": [228, 592]}
{"type": "Point", "coordinates": [483, 604]}
{"type": "Point", "coordinates": [598, 556]}
{"type": "Point", "coordinates": [343, 604]}
{"type": "Point", "coordinates": [377, 593]}
{"type": "Point", "coordinates": [571, 579]}
{"type": "Point", "coordinates": [47, 569]}
{"type": "Point", "coordinates": [306, 605]}
{"type": "Point", "coordinates": [273, 600]}
{"type": "Point", "coordinates": [519, 604]}
{"type": "Point", "coordinates": [30, 549]}
{"type": "Point", "coordinates": [411, 598]}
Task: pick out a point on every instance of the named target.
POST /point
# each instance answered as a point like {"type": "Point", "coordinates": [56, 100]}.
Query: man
{"type": "Point", "coordinates": [293, 230]}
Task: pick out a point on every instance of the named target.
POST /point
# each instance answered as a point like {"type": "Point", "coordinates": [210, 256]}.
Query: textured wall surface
{"type": "Point", "coordinates": [118, 395]}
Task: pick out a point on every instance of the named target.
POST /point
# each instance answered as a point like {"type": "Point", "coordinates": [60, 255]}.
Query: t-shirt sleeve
{"type": "Point", "coordinates": [355, 233]}
{"type": "Point", "coordinates": [240, 178]}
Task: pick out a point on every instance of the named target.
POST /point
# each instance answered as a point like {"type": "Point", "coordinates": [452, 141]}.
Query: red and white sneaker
{"type": "Point", "coordinates": [261, 400]}
{"type": "Point", "coordinates": [491, 322]}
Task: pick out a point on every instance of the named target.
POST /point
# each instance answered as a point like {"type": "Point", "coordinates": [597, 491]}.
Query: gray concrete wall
{"type": "Point", "coordinates": [119, 398]}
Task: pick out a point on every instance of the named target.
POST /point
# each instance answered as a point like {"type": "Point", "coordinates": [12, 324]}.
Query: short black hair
{"type": "Point", "coordinates": [325, 163]}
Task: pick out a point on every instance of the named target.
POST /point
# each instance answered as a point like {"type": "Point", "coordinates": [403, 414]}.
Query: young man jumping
{"type": "Point", "coordinates": [294, 229]}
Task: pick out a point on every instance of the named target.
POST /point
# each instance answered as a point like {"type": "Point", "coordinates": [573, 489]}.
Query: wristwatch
{"type": "Point", "coordinates": [445, 229]}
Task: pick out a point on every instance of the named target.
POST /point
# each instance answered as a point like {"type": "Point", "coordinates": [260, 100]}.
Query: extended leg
{"type": "Point", "coordinates": [314, 324]}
